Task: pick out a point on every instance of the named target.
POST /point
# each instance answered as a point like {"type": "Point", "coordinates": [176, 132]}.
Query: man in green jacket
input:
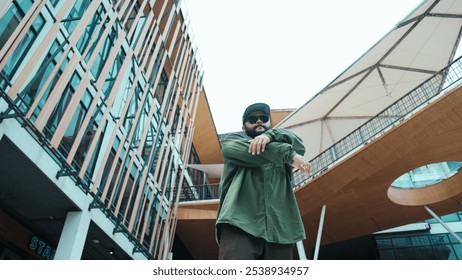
{"type": "Point", "coordinates": [258, 216]}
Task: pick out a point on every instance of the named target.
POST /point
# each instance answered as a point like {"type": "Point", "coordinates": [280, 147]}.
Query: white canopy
{"type": "Point", "coordinates": [423, 43]}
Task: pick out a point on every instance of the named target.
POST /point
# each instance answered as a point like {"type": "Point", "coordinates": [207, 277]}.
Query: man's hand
{"type": "Point", "coordinates": [258, 144]}
{"type": "Point", "coordinates": [302, 164]}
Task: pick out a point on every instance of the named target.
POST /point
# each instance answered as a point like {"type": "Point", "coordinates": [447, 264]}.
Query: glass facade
{"type": "Point", "coordinates": [422, 245]}
{"type": "Point", "coordinates": [109, 95]}
{"type": "Point", "coordinates": [425, 241]}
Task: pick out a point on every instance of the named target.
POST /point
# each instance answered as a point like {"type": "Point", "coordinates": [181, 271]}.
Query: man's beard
{"type": "Point", "coordinates": [252, 132]}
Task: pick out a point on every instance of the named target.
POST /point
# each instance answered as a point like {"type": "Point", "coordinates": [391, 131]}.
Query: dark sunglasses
{"type": "Point", "coordinates": [254, 119]}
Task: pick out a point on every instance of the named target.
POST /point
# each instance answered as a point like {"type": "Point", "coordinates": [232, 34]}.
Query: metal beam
{"type": "Point", "coordinates": [443, 224]}
{"type": "Point", "coordinates": [318, 239]}
{"type": "Point", "coordinates": [301, 250]}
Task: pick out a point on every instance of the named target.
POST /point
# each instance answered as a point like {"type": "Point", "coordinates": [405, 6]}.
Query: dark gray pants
{"type": "Point", "coordinates": [236, 244]}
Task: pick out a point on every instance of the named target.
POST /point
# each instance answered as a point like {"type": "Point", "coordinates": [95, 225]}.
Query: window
{"type": "Point", "coordinates": [76, 13]}
{"type": "Point", "coordinates": [75, 123]}
{"type": "Point", "coordinates": [110, 80]}
{"type": "Point", "coordinates": [91, 29]}
{"type": "Point", "coordinates": [61, 106]}
{"type": "Point", "coordinates": [23, 48]}
{"type": "Point", "coordinates": [104, 53]}
{"type": "Point", "coordinates": [28, 95]}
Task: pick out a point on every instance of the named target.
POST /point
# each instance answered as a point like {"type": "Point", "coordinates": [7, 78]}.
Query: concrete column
{"type": "Point", "coordinates": [72, 240]}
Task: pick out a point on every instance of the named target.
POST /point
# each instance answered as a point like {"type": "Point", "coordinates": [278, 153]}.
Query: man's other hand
{"type": "Point", "coordinates": [302, 164]}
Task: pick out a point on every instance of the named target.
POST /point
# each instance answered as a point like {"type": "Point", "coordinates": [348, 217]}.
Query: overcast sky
{"type": "Point", "coordinates": [281, 52]}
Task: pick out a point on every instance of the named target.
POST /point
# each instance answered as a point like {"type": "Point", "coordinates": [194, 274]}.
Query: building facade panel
{"type": "Point", "coordinates": [110, 90]}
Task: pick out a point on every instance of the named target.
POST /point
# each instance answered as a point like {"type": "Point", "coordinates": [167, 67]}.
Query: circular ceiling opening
{"type": "Point", "coordinates": [427, 175]}
{"type": "Point", "coordinates": [427, 184]}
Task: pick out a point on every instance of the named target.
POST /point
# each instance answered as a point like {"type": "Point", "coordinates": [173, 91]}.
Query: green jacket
{"type": "Point", "coordinates": [256, 191]}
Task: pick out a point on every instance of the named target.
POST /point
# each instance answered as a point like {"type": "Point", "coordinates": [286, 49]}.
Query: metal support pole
{"type": "Point", "coordinates": [443, 224]}
{"type": "Point", "coordinates": [301, 250]}
{"type": "Point", "coordinates": [318, 239]}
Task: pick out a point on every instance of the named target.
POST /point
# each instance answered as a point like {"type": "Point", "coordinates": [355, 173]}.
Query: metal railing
{"type": "Point", "coordinates": [403, 108]}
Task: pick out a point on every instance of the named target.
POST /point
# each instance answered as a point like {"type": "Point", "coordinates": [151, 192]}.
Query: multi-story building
{"type": "Point", "coordinates": [98, 107]}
